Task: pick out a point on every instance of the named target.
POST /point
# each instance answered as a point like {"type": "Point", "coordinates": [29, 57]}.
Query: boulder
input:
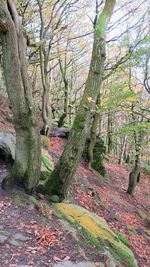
{"type": "Point", "coordinates": [59, 132]}
{"type": "Point", "coordinates": [7, 145]}
{"type": "Point", "coordinates": [7, 150]}
{"type": "Point", "coordinates": [97, 230]}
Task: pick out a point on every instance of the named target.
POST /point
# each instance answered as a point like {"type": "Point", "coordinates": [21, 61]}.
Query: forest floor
{"type": "Point", "coordinates": [37, 237]}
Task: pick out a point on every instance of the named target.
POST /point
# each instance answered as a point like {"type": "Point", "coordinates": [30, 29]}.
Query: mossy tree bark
{"type": "Point", "coordinates": [63, 173]}
{"type": "Point", "coordinates": [26, 168]}
{"type": "Point", "coordinates": [134, 175]}
{"type": "Point", "coordinates": [93, 132]}
{"type": "Point", "coordinates": [45, 73]}
{"type": "Point", "coordinates": [66, 92]}
{"type": "Point", "coordinates": [123, 150]}
{"type": "Point", "coordinates": [109, 133]}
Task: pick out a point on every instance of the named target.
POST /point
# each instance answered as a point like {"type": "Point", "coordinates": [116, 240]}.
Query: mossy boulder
{"type": "Point", "coordinates": [99, 230]}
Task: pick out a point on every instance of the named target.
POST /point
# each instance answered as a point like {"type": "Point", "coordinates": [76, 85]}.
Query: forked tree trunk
{"type": "Point", "coordinates": [63, 173]}
{"type": "Point", "coordinates": [26, 168]}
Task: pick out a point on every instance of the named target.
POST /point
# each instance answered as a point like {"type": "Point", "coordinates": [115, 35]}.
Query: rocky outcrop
{"type": "Point", "coordinates": [7, 151]}
{"type": "Point", "coordinates": [57, 132]}
{"type": "Point", "coordinates": [96, 228]}
{"type": "Point", "coordinates": [7, 145]}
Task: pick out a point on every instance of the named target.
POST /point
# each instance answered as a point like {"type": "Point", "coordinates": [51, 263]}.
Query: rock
{"type": "Point", "coordinates": [59, 132]}
{"type": "Point", "coordinates": [21, 237]}
{"type": "Point", "coordinates": [33, 202]}
{"type": "Point", "coordinates": [3, 232]}
{"type": "Point", "coordinates": [110, 260]}
{"type": "Point", "coordinates": [72, 264]}
{"type": "Point", "coordinates": [97, 229]}
{"type": "Point", "coordinates": [7, 145]}
{"type": "Point", "coordinates": [7, 149]}
{"type": "Point", "coordinates": [3, 239]}
{"type": "Point", "coordinates": [15, 242]}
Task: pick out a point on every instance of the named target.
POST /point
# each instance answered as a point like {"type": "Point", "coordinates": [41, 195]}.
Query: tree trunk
{"type": "Point", "coordinates": [65, 111]}
{"type": "Point", "coordinates": [93, 133]}
{"type": "Point", "coordinates": [123, 148]}
{"type": "Point", "coordinates": [64, 171]}
{"type": "Point", "coordinates": [66, 95]}
{"type": "Point", "coordinates": [133, 180]}
{"type": "Point", "coordinates": [109, 133]}
{"type": "Point", "coordinates": [134, 176]}
{"type": "Point", "coordinates": [26, 169]}
{"type": "Point", "coordinates": [46, 92]}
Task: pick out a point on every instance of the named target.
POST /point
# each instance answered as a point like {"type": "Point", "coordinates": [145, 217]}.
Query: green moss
{"type": "Point", "coordinates": [18, 201]}
{"type": "Point", "coordinates": [47, 163]}
{"type": "Point", "coordinates": [121, 254]}
{"type": "Point", "coordinates": [54, 198]}
{"type": "Point", "coordinates": [79, 121]}
{"type": "Point", "coordinates": [7, 182]}
{"type": "Point", "coordinates": [122, 239]}
{"type": "Point", "coordinates": [98, 155]}
{"type": "Point", "coordinates": [97, 232]}
{"type": "Point", "coordinates": [131, 229]}
{"type": "Point", "coordinates": [100, 27]}
{"type": "Point", "coordinates": [142, 214]}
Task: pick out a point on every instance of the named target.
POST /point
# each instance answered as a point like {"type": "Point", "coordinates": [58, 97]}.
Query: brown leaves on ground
{"type": "Point", "coordinates": [113, 203]}
{"type": "Point", "coordinates": [45, 236]}
{"type": "Point", "coordinates": [50, 241]}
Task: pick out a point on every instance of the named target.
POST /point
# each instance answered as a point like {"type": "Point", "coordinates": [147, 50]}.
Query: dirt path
{"type": "Point", "coordinates": [30, 237]}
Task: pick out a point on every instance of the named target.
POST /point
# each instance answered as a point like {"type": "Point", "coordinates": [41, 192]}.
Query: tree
{"type": "Point", "coordinates": [26, 168]}
{"type": "Point", "coordinates": [62, 175]}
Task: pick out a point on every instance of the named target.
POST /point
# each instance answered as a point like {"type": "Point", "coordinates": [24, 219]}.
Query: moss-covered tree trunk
{"type": "Point", "coordinates": [133, 179]}
{"type": "Point", "coordinates": [123, 149]}
{"type": "Point", "coordinates": [109, 133]}
{"type": "Point", "coordinates": [26, 168]}
{"type": "Point", "coordinates": [45, 73]}
{"type": "Point", "coordinates": [66, 93]}
{"type": "Point", "coordinates": [93, 133]}
{"type": "Point", "coordinates": [63, 173]}
{"type": "Point", "coordinates": [134, 176]}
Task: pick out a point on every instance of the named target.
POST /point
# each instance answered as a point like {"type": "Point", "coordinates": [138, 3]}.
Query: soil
{"type": "Point", "coordinates": [49, 240]}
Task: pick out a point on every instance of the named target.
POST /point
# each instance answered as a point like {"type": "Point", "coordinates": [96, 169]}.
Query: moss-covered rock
{"type": "Point", "coordinates": [99, 229]}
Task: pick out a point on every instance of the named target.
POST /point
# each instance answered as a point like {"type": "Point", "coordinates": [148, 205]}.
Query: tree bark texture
{"type": "Point", "coordinates": [134, 176]}
{"type": "Point", "coordinates": [66, 95]}
{"type": "Point", "coordinates": [26, 169]}
{"type": "Point", "coordinates": [65, 169]}
{"type": "Point", "coordinates": [93, 132]}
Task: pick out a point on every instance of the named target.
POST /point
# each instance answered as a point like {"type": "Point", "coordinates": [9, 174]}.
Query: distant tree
{"type": "Point", "coordinates": [26, 168]}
